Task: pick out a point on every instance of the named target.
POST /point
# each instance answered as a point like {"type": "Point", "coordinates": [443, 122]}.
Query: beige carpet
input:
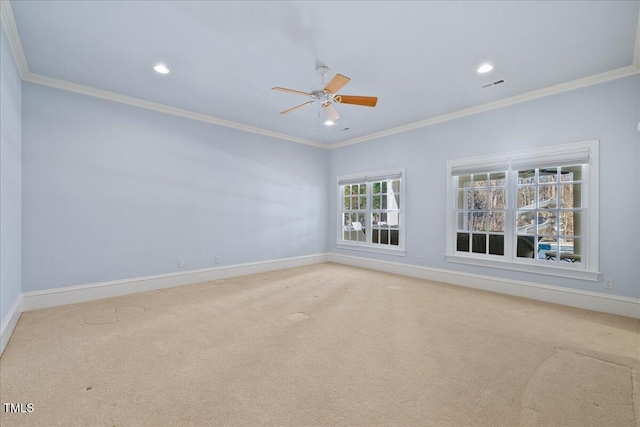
{"type": "Point", "coordinates": [322, 345]}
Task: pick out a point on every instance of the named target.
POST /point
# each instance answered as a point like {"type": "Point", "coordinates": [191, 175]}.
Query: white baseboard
{"type": "Point", "coordinates": [623, 306]}
{"type": "Point", "coordinates": [69, 295]}
{"type": "Point", "coordinates": [28, 301]}
{"type": "Point", "coordinates": [9, 323]}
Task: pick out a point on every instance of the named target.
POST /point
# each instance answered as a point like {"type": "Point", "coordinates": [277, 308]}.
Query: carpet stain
{"type": "Point", "coordinates": [105, 316]}
{"type": "Point", "coordinates": [581, 389]}
{"type": "Point", "coordinates": [297, 317]}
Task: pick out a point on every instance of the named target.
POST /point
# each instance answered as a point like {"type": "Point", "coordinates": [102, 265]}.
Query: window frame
{"type": "Point", "coordinates": [369, 178]}
{"type": "Point", "coordinates": [557, 155]}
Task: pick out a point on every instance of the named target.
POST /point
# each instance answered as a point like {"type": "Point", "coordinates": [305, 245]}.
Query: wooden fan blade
{"type": "Point", "coordinates": [283, 89]}
{"type": "Point", "coordinates": [367, 101]}
{"type": "Point", "coordinates": [330, 111]}
{"type": "Point", "coordinates": [295, 108]}
{"type": "Point", "coordinates": [336, 83]}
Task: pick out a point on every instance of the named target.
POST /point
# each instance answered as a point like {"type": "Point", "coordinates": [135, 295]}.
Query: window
{"type": "Point", "coordinates": [371, 216]}
{"type": "Point", "coordinates": [527, 210]}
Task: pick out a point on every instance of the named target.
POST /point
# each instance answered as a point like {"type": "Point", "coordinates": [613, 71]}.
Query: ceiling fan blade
{"type": "Point", "coordinates": [367, 101]}
{"type": "Point", "coordinates": [295, 108]}
{"type": "Point", "coordinates": [283, 89]}
{"type": "Point", "coordinates": [330, 111]}
{"type": "Point", "coordinates": [336, 83]}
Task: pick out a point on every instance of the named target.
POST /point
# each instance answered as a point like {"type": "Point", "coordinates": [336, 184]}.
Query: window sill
{"type": "Point", "coordinates": [550, 270]}
{"type": "Point", "coordinates": [362, 248]}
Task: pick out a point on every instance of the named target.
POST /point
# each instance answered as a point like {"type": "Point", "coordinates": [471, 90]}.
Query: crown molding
{"type": "Point", "coordinates": [636, 48]}
{"type": "Point", "coordinates": [11, 31]}
{"type": "Point", "coordinates": [9, 25]}
{"type": "Point", "coordinates": [123, 99]}
{"type": "Point", "coordinates": [552, 90]}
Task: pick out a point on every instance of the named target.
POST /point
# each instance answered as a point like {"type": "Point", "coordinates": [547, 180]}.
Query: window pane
{"type": "Point", "coordinates": [363, 202]}
{"type": "Point", "coordinates": [527, 177]}
{"type": "Point", "coordinates": [496, 221]}
{"type": "Point", "coordinates": [525, 247]}
{"type": "Point", "coordinates": [375, 238]}
{"type": "Point", "coordinates": [571, 173]}
{"type": "Point", "coordinates": [496, 244]}
{"type": "Point", "coordinates": [396, 201]}
{"type": "Point", "coordinates": [383, 202]}
{"type": "Point", "coordinates": [464, 221]}
{"type": "Point", "coordinates": [571, 195]}
{"type": "Point", "coordinates": [363, 189]}
{"type": "Point", "coordinates": [347, 203]}
{"type": "Point", "coordinates": [394, 237]}
{"type": "Point", "coordinates": [479, 221]}
{"type": "Point", "coordinates": [383, 187]}
{"type": "Point", "coordinates": [547, 175]}
{"type": "Point", "coordinates": [548, 248]}
{"type": "Point", "coordinates": [383, 219]}
{"type": "Point", "coordinates": [346, 220]}
{"type": "Point", "coordinates": [346, 190]}
{"type": "Point", "coordinates": [393, 219]}
{"type": "Point", "coordinates": [480, 180]}
{"type": "Point", "coordinates": [354, 189]}
{"type": "Point", "coordinates": [570, 223]}
{"type": "Point", "coordinates": [526, 197]}
{"type": "Point", "coordinates": [395, 186]}
{"type": "Point", "coordinates": [547, 196]}
{"type": "Point", "coordinates": [462, 243]}
{"type": "Point", "coordinates": [497, 198]}
{"type": "Point", "coordinates": [547, 223]}
{"type": "Point", "coordinates": [498, 179]}
{"type": "Point", "coordinates": [525, 222]}
{"type": "Point", "coordinates": [464, 200]}
{"type": "Point", "coordinates": [480, 199]}
{"type": "Point", "coordinates": [376, 188]}
{"type": "Point", "coordinates": [571, 250]}
{"type": "Point", "coordinates": [376, 202]}
{"type": "Point", "coordinates": [464, 181]}
{"type": "Point", "coordinates": [479, 243]}
{"type": "Point", "coordinates": [384, 237]}
{"type": "Point", "coordinates": [354, 203]}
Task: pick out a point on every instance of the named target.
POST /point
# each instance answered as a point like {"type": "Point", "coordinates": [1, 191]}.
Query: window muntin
{"type": "Point", "coordinates": [480, 213]}
{"type": "Point", "coordinates": [385, 212]}
{"type": "Point", "coordinates": [549, 213]}
{"type": "Point", "coordinates": [371, 211]}
{"type": "Point", "coordinates": [354, 211]}
{"type": "Point", "coordinates": [559, 191]}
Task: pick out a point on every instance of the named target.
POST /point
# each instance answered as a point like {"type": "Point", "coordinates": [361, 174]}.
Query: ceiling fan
{"type": "Point", "coordinates": [326, 95]}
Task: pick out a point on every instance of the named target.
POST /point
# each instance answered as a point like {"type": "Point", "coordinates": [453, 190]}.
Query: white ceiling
{"type": "Point", "coordinates": [419, 58]}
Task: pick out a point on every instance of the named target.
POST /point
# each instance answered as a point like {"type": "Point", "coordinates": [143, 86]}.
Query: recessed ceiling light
{"type": "Point", "coordinates": [329, 123]}
{"type": "Point", "coordinates": [161, 68]}
{"type": "Point", "coordinates": [485, 68]}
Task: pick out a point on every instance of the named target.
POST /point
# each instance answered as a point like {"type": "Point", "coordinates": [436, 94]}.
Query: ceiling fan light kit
{"type": "Point", "coordinates": [326, 96]}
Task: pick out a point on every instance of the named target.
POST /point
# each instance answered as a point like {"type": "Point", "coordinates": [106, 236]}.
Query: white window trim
{"type": "Point", "coordinates": [373, 247]}
{"type": "Point", "coordinates": [587, 270]}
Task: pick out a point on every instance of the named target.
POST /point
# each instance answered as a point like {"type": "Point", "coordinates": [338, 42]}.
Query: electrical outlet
{"type": "Point", "coordinates": [216, 260]}
{"type": "Point", "coordinates": [608, 283]}
{"type": "Point", "coordinates": [180, 263]}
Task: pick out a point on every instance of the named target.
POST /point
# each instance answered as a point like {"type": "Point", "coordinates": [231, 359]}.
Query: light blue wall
{"type": "Point", "coordinates": [608, 112]}
{"type": "Point", "coordinates": [10, 179]}
{"type": "Point", "coordinates": [112, 192]}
